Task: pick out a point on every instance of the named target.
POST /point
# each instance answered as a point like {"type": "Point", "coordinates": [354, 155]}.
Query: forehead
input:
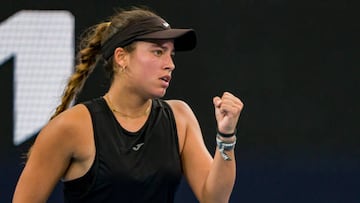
{"type": "Point", "coordinates": [167, 43]}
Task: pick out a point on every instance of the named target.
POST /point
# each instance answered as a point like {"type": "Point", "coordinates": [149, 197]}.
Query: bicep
{"type": "Point", "coordinates": [196, 159]}
{"type": "Point", "coordinates": [48, 160]}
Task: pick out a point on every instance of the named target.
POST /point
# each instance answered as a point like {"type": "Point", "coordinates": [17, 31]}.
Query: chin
{"type": "Point", "coordinates": [160, 94]}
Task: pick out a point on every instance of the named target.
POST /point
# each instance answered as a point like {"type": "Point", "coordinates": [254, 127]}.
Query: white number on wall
{"type": "Point", "coordinates": [42, 44]}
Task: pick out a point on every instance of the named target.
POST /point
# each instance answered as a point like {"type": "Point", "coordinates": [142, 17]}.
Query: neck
{"type": "Point", "coordinates": [128, 109]}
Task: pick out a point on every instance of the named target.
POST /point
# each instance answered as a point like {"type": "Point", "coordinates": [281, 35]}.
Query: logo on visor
{"type": "Point", "coordinates": [166, 25]}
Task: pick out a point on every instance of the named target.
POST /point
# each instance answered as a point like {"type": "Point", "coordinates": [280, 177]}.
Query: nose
{"type": "Point", "coordinates": [169, 65]}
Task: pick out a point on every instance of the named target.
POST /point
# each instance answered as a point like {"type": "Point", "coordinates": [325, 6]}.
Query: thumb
{"type": "Point", "coordinates": [217, 101]}
{"type": "Point", "coordinates": [217, 104]}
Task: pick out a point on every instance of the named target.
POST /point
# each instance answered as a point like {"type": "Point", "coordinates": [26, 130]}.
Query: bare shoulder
{"type": "Point", "coordinates": [71, 120]}
{"type": "Point", "coordinates": [67, 129]}
{"type": "Point", "coordinates": [185, 121]}
{"type": "Point", "coordinates": [179, 107]}
{"type": "Point", "coordinates": [182, 111]}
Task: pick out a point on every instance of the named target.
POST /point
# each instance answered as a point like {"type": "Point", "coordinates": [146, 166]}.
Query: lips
{"type": "Point", "coordinates": [166, 78]}
{"type": "Point", "coordinates": [165, 81]}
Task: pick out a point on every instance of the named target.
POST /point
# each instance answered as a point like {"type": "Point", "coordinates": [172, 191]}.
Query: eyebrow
{"type": "Point", "coordinates": [160, 45]}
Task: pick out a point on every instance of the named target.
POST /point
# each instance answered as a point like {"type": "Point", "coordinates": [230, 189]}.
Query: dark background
{"type": "Point", "coordinates": [295, 66]}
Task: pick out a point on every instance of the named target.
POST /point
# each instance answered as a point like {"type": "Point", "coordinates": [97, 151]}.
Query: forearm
{"type": "Point", "coordinates": [220, 180]}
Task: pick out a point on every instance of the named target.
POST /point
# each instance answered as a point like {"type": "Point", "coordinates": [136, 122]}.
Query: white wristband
{"type": "Point", "coordinates": [225, 146]}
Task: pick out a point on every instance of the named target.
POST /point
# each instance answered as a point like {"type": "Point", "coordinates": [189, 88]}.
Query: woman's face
{"type": "Point", "coordinates": [149, 67]}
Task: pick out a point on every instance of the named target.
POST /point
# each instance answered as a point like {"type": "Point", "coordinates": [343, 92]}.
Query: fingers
{"type": "Point", "coordinates": [229, 103]}
{"type": "Point", "coordinates": [227, 112]}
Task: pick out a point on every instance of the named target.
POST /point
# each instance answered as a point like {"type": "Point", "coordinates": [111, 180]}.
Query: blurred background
{"type": "Point", "coordinates": [294, 64]}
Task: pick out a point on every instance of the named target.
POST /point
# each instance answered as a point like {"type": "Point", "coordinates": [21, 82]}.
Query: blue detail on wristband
{"type": "Point", "coordinates": [224, 146]}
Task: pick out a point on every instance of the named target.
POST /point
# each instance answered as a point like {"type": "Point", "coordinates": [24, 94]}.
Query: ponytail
{"type": "Point", "coordinates": [87, 57]}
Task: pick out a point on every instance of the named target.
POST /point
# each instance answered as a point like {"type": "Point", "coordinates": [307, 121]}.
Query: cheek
{"type": "Point", "coordinates": [145, 66]}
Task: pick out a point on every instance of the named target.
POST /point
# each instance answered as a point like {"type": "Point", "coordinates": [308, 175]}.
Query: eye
{"type": "Point", "coordinates": [158, 52]}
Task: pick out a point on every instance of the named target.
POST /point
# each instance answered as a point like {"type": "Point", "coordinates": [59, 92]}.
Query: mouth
{"type": "Point", "coordinates": [166, 78]}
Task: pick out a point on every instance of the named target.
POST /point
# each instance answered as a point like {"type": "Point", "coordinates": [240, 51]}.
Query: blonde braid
{"type": "Point", "coordinates": [90, 48]}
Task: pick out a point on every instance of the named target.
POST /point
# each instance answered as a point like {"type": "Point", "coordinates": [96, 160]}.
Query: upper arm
{"type": "Point", "coordinates": [49, 158]}
{"type": "Point", "coordinates": [196, 159]}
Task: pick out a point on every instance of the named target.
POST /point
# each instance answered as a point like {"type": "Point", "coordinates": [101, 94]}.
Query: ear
{"type": "Point", "coordinates": [120, 57]}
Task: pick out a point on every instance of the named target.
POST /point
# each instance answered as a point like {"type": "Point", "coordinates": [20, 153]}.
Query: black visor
{"type": "Point", "coordinates": [148, 29]}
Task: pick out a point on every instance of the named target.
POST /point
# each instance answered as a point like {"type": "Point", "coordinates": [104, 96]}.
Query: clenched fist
{"type": "Point", "coordinates": [227, 112]}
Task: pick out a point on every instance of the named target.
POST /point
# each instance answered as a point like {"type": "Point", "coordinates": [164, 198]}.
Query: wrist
{"type": "Point", "coordinates": [226, 135]}
{"type": "Point", "coordinates": [226, 139]}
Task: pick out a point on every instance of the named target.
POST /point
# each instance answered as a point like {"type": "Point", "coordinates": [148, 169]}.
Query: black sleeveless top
{"type": "Point", "coordinates": [141, 166]}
